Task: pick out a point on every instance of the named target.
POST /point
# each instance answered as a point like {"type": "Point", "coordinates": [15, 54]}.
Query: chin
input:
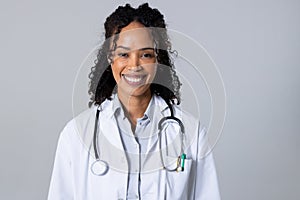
{"type": "Point", "coordinates": [137, 92]}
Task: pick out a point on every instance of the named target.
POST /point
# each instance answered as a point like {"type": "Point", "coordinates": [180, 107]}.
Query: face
{"type": "Point", "coordinates": [134, 61]}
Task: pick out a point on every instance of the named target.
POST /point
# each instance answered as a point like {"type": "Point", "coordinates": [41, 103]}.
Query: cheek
{"type": "Point", "coordinates": [116, 70]}
{"type": "Point", "coordinates": [152, 70]}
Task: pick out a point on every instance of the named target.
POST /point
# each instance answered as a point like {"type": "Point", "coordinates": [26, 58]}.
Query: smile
{"type": "Point", "coordinates": [134, 80]}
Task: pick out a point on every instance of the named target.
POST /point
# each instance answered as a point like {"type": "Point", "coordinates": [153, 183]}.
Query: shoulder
{"type": "Point", "coordinates": [87, 116]}
{"type": "Point", "coordinates": [179, 112]}
{"type": "Point", "coordinates": [81, 127]}
{"type": "Point", "coordinates": [75, 127]}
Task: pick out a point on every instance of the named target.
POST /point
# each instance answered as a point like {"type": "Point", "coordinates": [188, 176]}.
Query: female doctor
{"type": "Point", "coordinates": [134, 142]}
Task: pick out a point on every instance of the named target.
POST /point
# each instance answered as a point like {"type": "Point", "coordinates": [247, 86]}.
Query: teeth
{"type": "Point", "coordinates": [131, 79]}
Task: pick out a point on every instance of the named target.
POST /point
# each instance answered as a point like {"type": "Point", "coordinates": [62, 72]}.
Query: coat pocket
{"type": "Point", "coordinates": [180, 185]}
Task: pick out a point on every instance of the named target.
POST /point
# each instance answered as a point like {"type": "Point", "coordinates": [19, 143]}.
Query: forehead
{"type": "Point", "coordinates": [135, 37]}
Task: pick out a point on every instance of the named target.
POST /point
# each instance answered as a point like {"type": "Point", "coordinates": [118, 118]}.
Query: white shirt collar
{"type": "Point", "coordinates": [155, 102]}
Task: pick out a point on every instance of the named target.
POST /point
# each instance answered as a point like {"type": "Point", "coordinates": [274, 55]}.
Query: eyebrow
{"type": "Point", "coordinates": [127, 48]}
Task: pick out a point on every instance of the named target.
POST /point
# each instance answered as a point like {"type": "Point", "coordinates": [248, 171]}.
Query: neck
{"type": "Point", "coordinates": [135, 106]}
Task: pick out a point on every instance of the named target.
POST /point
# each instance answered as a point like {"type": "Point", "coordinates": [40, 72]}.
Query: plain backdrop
{"type": "Point", "coordinates": [255, 44]}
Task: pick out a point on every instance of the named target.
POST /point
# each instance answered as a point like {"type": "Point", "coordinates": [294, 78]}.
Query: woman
{"type": "Point", "coordinates": [139, 151]}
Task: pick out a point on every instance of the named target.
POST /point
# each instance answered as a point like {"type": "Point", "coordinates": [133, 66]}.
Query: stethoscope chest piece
{"type": "Point", "coordinates": [99, 167]}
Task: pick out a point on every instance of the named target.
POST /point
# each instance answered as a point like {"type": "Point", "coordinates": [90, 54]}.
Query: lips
{"type": "Point", "coordinates": [134, 80]}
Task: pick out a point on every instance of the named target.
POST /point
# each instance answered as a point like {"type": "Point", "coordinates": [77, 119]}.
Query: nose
{"type": "Point", "coordinates": [134, 62]}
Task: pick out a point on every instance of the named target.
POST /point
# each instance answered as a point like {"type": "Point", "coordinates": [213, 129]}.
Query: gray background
{"type": "Point", "coordinates": [254, 43]}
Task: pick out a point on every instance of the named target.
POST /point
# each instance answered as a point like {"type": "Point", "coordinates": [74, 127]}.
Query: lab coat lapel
{"type": "Point", "coordinates": [110, 143]}
{"type": "Point", "coordinates": [109, 129]}
{"type": "Point", "coordinates": [152, 155]}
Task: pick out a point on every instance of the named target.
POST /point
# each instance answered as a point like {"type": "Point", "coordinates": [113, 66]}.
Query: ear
{"type": "Point", "coordinates": [109, 59]}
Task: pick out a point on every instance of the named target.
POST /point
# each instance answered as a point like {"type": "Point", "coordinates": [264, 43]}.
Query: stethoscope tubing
{"type": "Point", "coordinates": [100, 167]}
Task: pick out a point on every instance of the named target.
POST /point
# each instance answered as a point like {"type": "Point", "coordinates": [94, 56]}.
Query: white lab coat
{"type": "Point", "coordinates": [72, 177]}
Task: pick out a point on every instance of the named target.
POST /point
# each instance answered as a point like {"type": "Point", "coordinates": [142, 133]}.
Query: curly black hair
{"type": "Point", "coordinates": [165, 84]}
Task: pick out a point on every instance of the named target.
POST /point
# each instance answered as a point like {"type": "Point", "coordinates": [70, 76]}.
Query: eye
{"type": "Point", "coordinates": [123, 55]}
{"type": "Point", "coordinates": [148, 55]}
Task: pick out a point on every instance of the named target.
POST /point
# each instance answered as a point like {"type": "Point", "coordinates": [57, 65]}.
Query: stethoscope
{"type": "Point", "coordinates": [100, 167]}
